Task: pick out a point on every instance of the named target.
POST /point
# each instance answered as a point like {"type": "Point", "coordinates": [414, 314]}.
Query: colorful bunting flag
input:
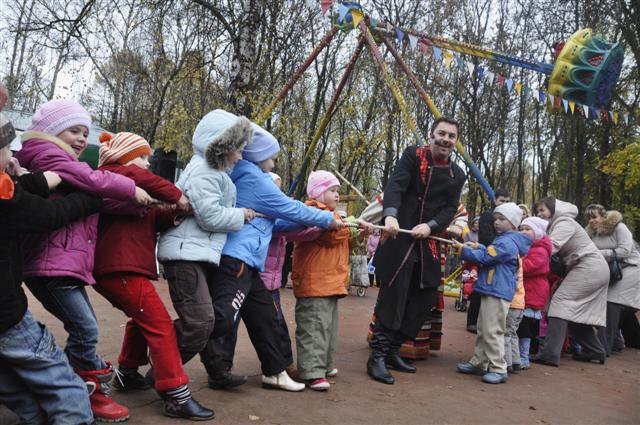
{"type": "Point", "coordinates": [424, 47]}
{"type": "Point", "coordinates": [437, 52]}
{"type": "Point", "coordinates": [526, 91]}
{"type": "Point", "coordinates": [470, 68]}
{"type": "Point", "coordinates": [509, 82]}
{"type": "Point", "coordinates": [399, 35]}
{"type": "Point", "coordinates": [572, 105]}
{"type": "Point", "coordinates": [626, 118]}
{"type": "Point", "coordinates": [342, 12]}
{"type": "Point", "coordinates": [413, 41]}
{"type": "Point", "coordinates": [592, 112]}
{"type": "Point", "coordinates": [448, 58]}
{"type": "Point", "coordinates": [374, 22]}
{"type": "Point", "coordinates": [357, 17]}
{"type": "Point", "coordinates": [459, 62]}
{"type": "Point", "coordinates": [325, 5]}
{"type": "Point", "coordinates": [558, 102]}
{"type": "Point", "coordinates": [611, 116]}
{"type": "Point", "coordinates": [565, 104]}
{"type": "Point", "coordinates": [480, 72]}
{"type": "Point", "coordinates": [518, 88]}
{"type": "Point", "coordinates": [551, 99]}
{"type": "Point", "coordinates": [615, 117]}
{"type": "Point", "coordinates": [500, 80]}
{"type": "Point", "coordinates": [490, 77]}
{"type": "Point", "coordinates": [541, 96]}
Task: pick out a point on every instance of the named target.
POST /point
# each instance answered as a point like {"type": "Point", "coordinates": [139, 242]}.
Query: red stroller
{"type": "Point", "coordinates": [469, 277]}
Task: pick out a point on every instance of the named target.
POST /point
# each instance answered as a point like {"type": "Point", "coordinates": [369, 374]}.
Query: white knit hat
{"type": "Point", "coordinates": [511, 212]}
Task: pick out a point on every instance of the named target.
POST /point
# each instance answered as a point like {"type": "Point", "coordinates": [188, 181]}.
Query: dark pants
{"type": "Point", "coordinates": [474, 309]}
{"type": "Point", "coordinates": [190, 290]}
{"type": "Point", "coordinates": [238, 290]}
{"type": "Point", "coordinates": [585, 335]}
{"type": "Point", "coordinates": [228, 342]}
{"type": "Point", "coordinates": [608, 334]}
{"type": "Point", "coordinates": [530, 328]}
{"type": "Point", "coordinates": [416, 310]}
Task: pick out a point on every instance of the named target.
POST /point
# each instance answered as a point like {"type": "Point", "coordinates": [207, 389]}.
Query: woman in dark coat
{"type": "Point", "coordinates": [423, 194]}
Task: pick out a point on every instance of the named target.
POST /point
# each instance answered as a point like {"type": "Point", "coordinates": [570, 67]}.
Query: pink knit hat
{"type": "Point", "coordinates": [319, 182]}
{"type": "Point", "coordinates": [538, 225]}
{"type": "Point", "coordinates": [56, 116]}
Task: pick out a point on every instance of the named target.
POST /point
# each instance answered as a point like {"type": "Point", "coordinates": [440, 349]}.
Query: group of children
{"type": "Point", "coordinates": [512, 282]}
{"type": "Point", "coordinates": [100, 228]}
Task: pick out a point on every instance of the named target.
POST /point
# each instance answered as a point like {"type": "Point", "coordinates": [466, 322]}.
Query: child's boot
{"type": "Point", "coordinates": [104, 408]}
{"type": "Point", "coordinates": [178, 403]}
{"type": "Point", "coordinates": [129, 379]}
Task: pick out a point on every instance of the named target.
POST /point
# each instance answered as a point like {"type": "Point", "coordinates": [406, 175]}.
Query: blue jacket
{"type": "Point", "coordinates": [256, 190]}
{"type": "Point", "coordinates": [499, 263]}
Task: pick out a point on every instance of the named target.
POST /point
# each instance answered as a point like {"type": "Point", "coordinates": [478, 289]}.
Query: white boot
{"type": "Point", "coordinates": [282, 381]}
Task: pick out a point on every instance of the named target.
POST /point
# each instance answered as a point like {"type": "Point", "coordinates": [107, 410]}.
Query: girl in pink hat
{"type": "Point", "coordinates": [59, 264]}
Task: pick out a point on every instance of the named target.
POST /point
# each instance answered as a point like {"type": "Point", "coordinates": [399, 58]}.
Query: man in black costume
{"type": "Point", "coordinates": [422, 194]}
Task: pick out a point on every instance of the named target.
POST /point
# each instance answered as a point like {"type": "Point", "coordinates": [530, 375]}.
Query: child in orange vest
{"type": "Point", "coordinates": [320, 274]}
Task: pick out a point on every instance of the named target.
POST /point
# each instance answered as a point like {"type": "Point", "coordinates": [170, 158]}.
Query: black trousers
{"type": "Point", "coordinates": [417, 308]}
{"type": "Point", "coordinates": [474, 309]}
{"type": "Point", "coordinates": [238, 290]}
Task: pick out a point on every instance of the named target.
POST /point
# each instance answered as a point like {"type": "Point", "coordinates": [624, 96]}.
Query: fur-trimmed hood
{"type": "Point", "coordinates": [611, 220]}
{"type": "Point", "coordinates": [37, 135]}
{"type": "Point", "coordinates": [219, 133]}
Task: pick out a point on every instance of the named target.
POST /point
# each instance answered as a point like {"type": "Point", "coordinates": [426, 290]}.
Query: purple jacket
{"type": "Point", "coordinates": [272, 274]}
{"type": "Point", "coordinates": [372, 244]}
{"type": "Point", "coordinates": [70, 250]}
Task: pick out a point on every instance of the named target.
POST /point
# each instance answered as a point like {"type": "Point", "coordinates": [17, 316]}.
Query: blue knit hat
{"type": "Point", "coordinates": [263, 145]}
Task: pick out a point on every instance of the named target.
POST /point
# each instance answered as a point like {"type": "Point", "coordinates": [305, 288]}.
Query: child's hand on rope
{"type": "Point", "coordinates": [336, 224]}
{"type": "Point", "coordinates": [366, 228]}
{"type": "Point", "coordinates": [249, 214]}
{"type": "Point", "coordinates": [141, 197]}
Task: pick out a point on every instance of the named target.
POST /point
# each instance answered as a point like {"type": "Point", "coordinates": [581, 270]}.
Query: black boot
{"type": "Point", "coordinates": [376, 367]}
{"type": "Point", "coordinates": [129, 379]}
{"type": "Point", "coordinates": [394, 361]}
{"type": "Point", "coordinates": [188, 409]}
{"type": "Point", "coordinates": [226, 379]}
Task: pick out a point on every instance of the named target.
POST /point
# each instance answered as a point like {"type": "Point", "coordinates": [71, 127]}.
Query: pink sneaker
{"type": "Point", "coordinates": [320, 384]}
{"type": "Point", "coordinates": [332, 373]}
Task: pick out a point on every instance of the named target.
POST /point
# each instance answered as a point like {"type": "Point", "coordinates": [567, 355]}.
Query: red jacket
{"type": "Point", "coordinates": [128, 243]}
{"type": "Point", "coordinates": [535, 266]}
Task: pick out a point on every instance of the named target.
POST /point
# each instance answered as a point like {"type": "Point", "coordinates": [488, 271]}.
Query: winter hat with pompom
{"type": "Point", "coordinates": [121, 148]}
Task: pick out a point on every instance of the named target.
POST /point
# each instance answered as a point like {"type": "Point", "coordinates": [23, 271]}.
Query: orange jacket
{"type": "Point", "coordinates": [518, 298]}
{"type": "Point", "coordinates": [321, 266]}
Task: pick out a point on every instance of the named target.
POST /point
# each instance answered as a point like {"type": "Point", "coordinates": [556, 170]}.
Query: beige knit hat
{"type": "Point", "coordinates": [121, 148]}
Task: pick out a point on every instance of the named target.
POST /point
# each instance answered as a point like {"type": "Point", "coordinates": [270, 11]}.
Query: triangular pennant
{"type": "Point", "coordinates": [325, 5]}
{"type": "Point", "coordinates": [565, 104]}
{"type": "Point", "coordinates": [413, 41]}
{"type": "Point", "coordinates": [615, 117]}
{"type": "Point", "coordinates": [611, 116]}
{"type": "Point", "coordinates": [592, 112]}
{"type": "Point", "coordinates": [572, 105]}
{"type": "Point", "coordinates": [579, 109]}
{"type": "Point", "coordinates": [357, 17]}
{"type": "Point", "coordinates": [500, 80]}
{"type": "Point", "coordinates": [604, 114]}
{"type": "Point", "coordinates": [389, 26]}
{"type": "Point", "coordinates": [399, 35]}
{"type": "Point", "coordinates": [424, 47]}
{"type": "Point", "coordinates": [459, 62]}
{"type": "Point", "coordinates": [490, 77]}
{"type": "Point", "coordinates": [558, 102]}
{"type": "Point", "coordinates": [448, 58]}
{"type": "Point", "coordinates": [541, 96]}
{"type": "Point", "coordinates": [342, 12]}
{"type": "Point", "coordinates": [626, 118]}
{"type": "Point", "coordinates": [437, 52]}
{"type": "Point", "coordinates": [374, 22]}
{"type": "Point", "coordinates": [470, 68]}
{"type": "Point", "coordinates": [552, 99]}
{"type": "Point", "coordinates": [518, 87]}
{"type": "Point", "coordinates": [480, 72]}
{"type": "Point", "coordinates": [509, 82]}
{"type": "Point", "coordinates": [525, 91]}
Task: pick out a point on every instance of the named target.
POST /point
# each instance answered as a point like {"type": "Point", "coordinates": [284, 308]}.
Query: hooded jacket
{"type": "Point", "coordinates": [68, 251]}
{"type": "Point", "coordinates": [499, 264]}
{"type": "Point", "coordinates": [582, 296]}
{"type": "Point", "coordinates": [613, 236]}
{"type": "Point", "coordinates": [211, 193]}
{"type": "Point", "coordinates": [23, 212]}
{"type": "Point", "coordinates": [256, 190]}
{"type": "Point", "coordinates": [535, 267]}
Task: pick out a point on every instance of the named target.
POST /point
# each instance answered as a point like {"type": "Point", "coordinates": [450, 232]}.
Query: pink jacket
{"type": "Point", "coordinates": [272, 274]}
{"type": "Point", "coordinates": [372, 244]}
{"type": "Point", "coordinates": [68, 251]}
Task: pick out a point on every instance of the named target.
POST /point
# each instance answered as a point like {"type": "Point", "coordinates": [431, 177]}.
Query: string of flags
{"type": "Point", "coordinates": [455, 61]}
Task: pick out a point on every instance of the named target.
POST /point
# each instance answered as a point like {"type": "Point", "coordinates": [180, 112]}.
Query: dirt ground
{"type": "Point", "coordinates": [575, 393]}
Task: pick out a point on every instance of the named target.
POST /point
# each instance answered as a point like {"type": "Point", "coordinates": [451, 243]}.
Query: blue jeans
{"type": "Point", "coordinates": [66, 298]}
{"type": "Point", "coordinates": [36, 381]}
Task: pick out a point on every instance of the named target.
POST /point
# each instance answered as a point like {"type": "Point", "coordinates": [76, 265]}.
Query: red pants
{"type": "Point", "coordinates": [150, 327]}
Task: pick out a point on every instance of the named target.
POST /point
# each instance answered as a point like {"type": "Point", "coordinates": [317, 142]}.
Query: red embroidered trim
{"type": "Point", "coordinates": [421, 152]}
